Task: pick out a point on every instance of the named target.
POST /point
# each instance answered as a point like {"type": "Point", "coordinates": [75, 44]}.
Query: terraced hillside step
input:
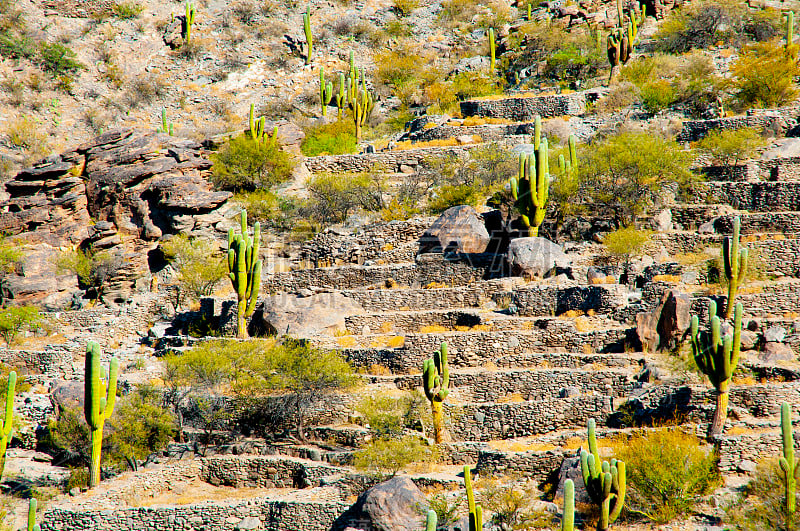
{"type": "Point", "coordinates": [763, 299]}
{"type": "Point", "coordinates": [780, 169]}
{"type": "Point", "coordinates": [402, 354]}
{"type": "Point", "coordinates": [481, 385]}
{"type": "Point", "coordinates": [395, 161]}
{"type": "Point", "coordinates": [486, 132]}
{"type": "Point", "coordinates": [755, 444]}
{"type": "Point", "coordinates": [691, 217]}
{"type": "Point", "coordinates": [752, 196]}
{"type": "Point", "coordinates": [451, 270]}
{"type": "Point", "coordinates": [526, 108]}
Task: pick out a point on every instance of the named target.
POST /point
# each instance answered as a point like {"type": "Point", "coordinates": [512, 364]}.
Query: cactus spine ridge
{"type": "Point", "coordinates": [8, 419]}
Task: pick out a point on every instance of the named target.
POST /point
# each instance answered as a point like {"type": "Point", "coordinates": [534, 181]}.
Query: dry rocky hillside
{"type": "Point", "coordinates": [507, 248]}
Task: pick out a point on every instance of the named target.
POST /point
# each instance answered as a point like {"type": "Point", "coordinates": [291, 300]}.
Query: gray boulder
{"type": "Point", "coordinates": [662, 327]}
{"type": "Point", "coordinates": [459, 229]}
{"type": "Point", "coordinates": [774, 333]}
{"type": "Point", "coordinates": [68, 395]}
{"type": "Point", "coordinates": [534, 257]}
{"type": "Point", "coordinates": [394, 505]}
{"type": "Point", "coordinates": [320, 314]}
{"type": "Point", "coordinates": [774, 351]}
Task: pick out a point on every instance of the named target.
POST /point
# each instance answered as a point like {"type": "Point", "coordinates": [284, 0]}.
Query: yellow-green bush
{"type": "Point", "coordinates": [246, 164]}
{"type": "Point", "coordinates": [335, 138]}
{"type": "Point", "coordinates": [764, 76]}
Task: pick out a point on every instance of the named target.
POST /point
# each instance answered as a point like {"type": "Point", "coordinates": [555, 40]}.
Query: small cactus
{"type": "Point", "coordinates": [791, 472]}
{"type": "Point", "coordinates": [188, 21]}
{"type": "Point", "coordinates": [735, 262]}
{"type": "Point", "coordinates": [325, 91]}
{"type": "Point", "coordinates": [605, 482]}
{"type": "Point", "coordinates": [166, 126]}
{"type": "Point", "coordinates": [568, 518]}
{"type": "Point", "coordinates": [100, 395]}
{"type": "Point", "coordinates": [7, 426]}
{"type": "Point", "coordinates": [341, 97]}
{"type": "Point", "coordinates": [309, 36]}
{"type": "Point", "coordinates": [436, 383]}
{"type": "Point", "coordinates": [431, 521]}
{"type": "Point", "coordinates": [244, 270]}
{"type": "Point", "coordinates": [790, 47]}
{"type": "Point", "coordinates": [717, 357]}
{"type": "Point", "coordinates": [475, 510]}
{"type": "Point", "coordinates": [32, 525]}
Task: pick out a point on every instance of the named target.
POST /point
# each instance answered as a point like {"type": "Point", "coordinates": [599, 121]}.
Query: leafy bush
{"type": "Point", "coordinates": [25, 133]}
{"type": "Point", "coordinates": [199, 264]}
{"type": "Point", "coordinates": [474, 84]}
{"type": "Point", "coordinates": [624, 172]}
{"type": "Point", "coordinates": [140, 426]}
{"type": "Point", "coordinates": [93, 269]}
{"type": "Point", "coordinates": [626, 242]}
{"type": "Point", "coordinates": [389, 416]}
{"type": "Point", "coordinates": [387, 457]}
{"type": "Point", "coordinates": [577, 59]}
{"type": "Point", "coordinates": [335, 196]}
{"type": "Point", "coordinates": [246, 164]}
{"type": "Point", "coordinates": [58, 59]}
{"type": "Point", "coordinates": [667, 470]}
{"type": "Point", "coordinates": [405, 7]}
{"type": "Point", "coordinates": [127, 9]}
{"type": "Point", "coordinates": [15, 319]}
{"type": "Point", "coordinates": [447, 509]}
{"type": "Point", "coordinates": [449, 195]}
{"type": "Point", "coordinates": [729, 147]}
{"type": "Point", "coordinates": [511, 505]}
{"type": "Point", "coordinates": [765, 76]}
{"type": "Point", "coordinates": [336, 138]}
{"type": "Point", "coordinates": [762, 506]}
{"type": "Point", "coordinates": [68, 434]}
{"type": "Point", "coordinates": [657, 96]}
{"type": "Point", "coordinates": [278, 211]}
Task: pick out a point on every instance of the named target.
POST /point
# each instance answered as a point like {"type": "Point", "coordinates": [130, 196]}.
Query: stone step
{"type": "Point", "coordinates": [692, 216]}
{"type": "Point", "coordinates": [501, 385]}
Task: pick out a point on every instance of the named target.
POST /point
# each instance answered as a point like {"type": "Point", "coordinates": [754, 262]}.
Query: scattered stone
{"type": "Point", "coordinates": [748, 340]}
{"type": "Point", "coordinates": [746, 466]}
{"type": "Point", "coordinates": [248, 523]}
{"type": "Point", "coordinates": [319, 314]}
{"type": "Point", "coordinates": [662, 328]}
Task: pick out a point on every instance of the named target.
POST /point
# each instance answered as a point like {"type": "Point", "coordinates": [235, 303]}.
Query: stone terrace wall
{"type": "Point", "coordinates": [537, 465]}
{"type": "Point", "coordinates": [779, 169]}
{"type": "Point", "coordinates": [55, 361]}
{"type": "Point", "coordinates": [759, 197]}
{"type": "Point", "coordinates": [527, 108]}
{"type": "Point", "coordinates": [455, 270]}
{"type": "Point", "coordinates": [385, 161]}
{"type": "Point", "coordinates": [263, 472]}
{"type": "Point", "coordinates": [697, 129]}
{"type": "Point", "coordinates": [504, 421]}
{"type": "Point", "coordinates": [553, 300]}
{"type": "Point", "coordinates": [274, 515]}
{"type": "Point", "coordinates": [487, 132]}
{"type": "Point", "coordinates": [733, 449]}
{"type": "Point", "coordinates": [383, 300]}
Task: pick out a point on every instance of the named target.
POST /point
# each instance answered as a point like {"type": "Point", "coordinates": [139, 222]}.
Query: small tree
{"type": "Point", "coordinates": [387, 457]}
{"type": "Point", "coordinates": [729, 147]}
{"type": "Point", "coordinates": [243, 163]}
{"type": "Point", "coordinates": [10, 257]}
{"type": "Point", "coordinates": [625, 243]}
{"type": "Point", "coordinates": [15, 319]}
{"type": "Point", "coordinates": [196, 263]}
{"type": "Point", "coordinates": [335, 196]}
{"type": "Point", "coordinates": [764, 76]}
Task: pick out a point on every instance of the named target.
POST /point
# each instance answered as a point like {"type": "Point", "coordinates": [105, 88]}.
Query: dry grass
{"type": "Point", "coordinates": [571, 313]}
{"type": "Point", "coordinates": [481, 120]}
{"type": "Point", "coordinates": [386, 327]}
{"type": "Point", "coordinates": [435, 285]}
{"type": "Point", "coordinates": [607, 280]}
{"type": "Point", "coordinates": [493, 97]}
{"type": "Point", "coordinates": [432, 329]}
{"type": "Point", "coordinates": [379, 370]}
{"type": "Point", "coordinates": [347, 342]}
{"type": "Point", "coordinates": [439, 142]}
{"type": "Point", "coordinates": [511, 398]}
{"type": "Point", "coordinates": [667, 278]}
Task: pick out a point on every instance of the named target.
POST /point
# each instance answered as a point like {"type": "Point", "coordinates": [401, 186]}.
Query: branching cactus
{"type": "Point", "coordinates": [188, 21]}
{"type": "Point", "coordinates": [605, 482]}
{"type": "Point", "coordinates": [166, 126]}
{"type": "Point", "coordinates": [431, 521]}
{"type": "Point", "coordinates": [244, 270]}
{"type": "Point", "coordinates": [734, 259]}
{"type": "Point", "coordinates": [790, 47]}
{"type": "Point", "coordinates": [309, 36]}
{"type": "Point", "coordinates": [99, 398]}
{"type": "Point", "coordinates": [717, 357]}
{"type": "Point", "coordinates": [32, 525]}
{"type": "Point", "coordinates": [475, 510]}
{"type": "Point", "coordinates": [436, 382]}
{"type": "Point", "coordinates": [531, 188]}
{"type": "Point", "coordinates": [325, 91]}
{"type": "Point", "coordinates": [341, 98]}
{"type": "Point", "coordinates": [791, 472]}
{"type": "Point", "coordinates": [491, 51]}
{"type": "Point", "coordinates": [361, 105]}
{"type": "Point", "coordinates": [568, 518]}
{"type": "Point", "coordinates": [8, 420]}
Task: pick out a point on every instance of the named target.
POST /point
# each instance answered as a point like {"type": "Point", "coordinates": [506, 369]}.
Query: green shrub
{"type": "Point", "coordinates": [667, 470]}
{"type": "Point", "coordinates": [625, 243]}
{"type": "Point", "coordinates": [405, 7]}
{"type": "Point", "coordinates": [387, 457]}
{"type": "Point", "coordinates": [245, 164]}
{"type": "Point", "coordinates": [336, 138]}
{"type": "Point", "coordinates": [576, 60]}
{"type": "Point", "coordinates": [58, 59]}
{"type": "Point", "coordinates": [69, 434]}
{"type": "Point", "coordinates": [278, 211]}
{"type": "Point", "coordinates": [657, 95]}
{"type": "Point", "coordinates": [729, 147]}
{"type": "Point", "coordinates": [127, 9]}
{"type": "Point", "coordinates": [450, 195]}
{"type": "Point", "coordinates": [389, 416]}
{"type": "Point", "coordinates": [334, 196]}
{"type": "Point", "coordinates": [448, 509]}
{"type": "Point", "coordinates": [764, 76]}
{"type": "Point", "coordinates": [92, 268]}
{"type": "Point", "coordinates": [762, 505]}
{"type": "Point", "coordinates": [15, 319]}
{"type": "Point", "coordinates": [140, 426]}
{"type": "Point", "coordinates": [474, 84]}
{"type": "Point", "coordinates": [199, 264]}
{"type": "Point", "coordinates": [511, 505]}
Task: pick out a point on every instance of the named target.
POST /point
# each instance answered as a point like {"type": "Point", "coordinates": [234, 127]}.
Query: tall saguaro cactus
{"type": "Point", "coordinates": [325, 91]}
{"type": "Point", "coordinates": [244, 270]}
{"type": "Point", "coordinates": [605, 482]}
{"type": "Point", "coordinates": [790, 47]}
{"type": "Point", "coordinates": [491, 51]}
{"type": "Point", "coordinates": [436, 383]}
{"type": "Point", "coordinates": [734, 259]}
{"type": "Point", "coordinates": [7, 427]}
{"type": "Point", "coordinates": [32, 525]}
{"type": "Point", "coordinates": [100, 395]}
{"type": "Point", "coordinates": [341, 97]}
{"type": "Point", "coordinates": [475, 510]}
{"type": "Point", "coordinates": [309, 36]}
{"type": "Point", "coordinates": [568, 518]}
{"type": "Point", "coordinates": [717, 357]}
{"type": "Point", "coordinates": [188, 21]}
{"type": "Point", "coordinates": [361, 101]}
{"type": "Point", "coordinates": [531, 188]}
{"type": "Point", "coordinates": [791, 472]}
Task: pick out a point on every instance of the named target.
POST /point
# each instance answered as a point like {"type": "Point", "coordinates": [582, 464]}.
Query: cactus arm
{"type": "Point", "coordinates": [309, 36]}
{"type": "Point", "coordinates": [568, 518]}
{"type": "Point", "coordinates": [8, 419]}
{"type": "Point", "coordinates": [92, 385]}
{"type": "Point", "coordinates": [620, 486]}
{"type": "Point", "coordinates": [491, 51]}
{"type": "Point", "coordinates": [111, 397]}
{"type": "Point", "coordinates": [32, 504]}
{"type": "Point", "coordinates": [444, 370]}
{"type": "Point", "coordinates": [537, 132]}
{"type": "Point", "coordinates": [430, 521]}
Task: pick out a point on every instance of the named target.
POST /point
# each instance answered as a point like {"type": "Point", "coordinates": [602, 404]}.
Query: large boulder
{"type": "Point", "coordinates": [459, 229]}
{"type": "Point", "coordinates": [534, 256]}
{"type": "Point", "coordinates": [774, 352]}
{"type": "Point", "coordinates": [394, 505]}
{"type": "Point", "coordinates": [663, 327]}
{"type": "Point", "coordinates": [319, 314]}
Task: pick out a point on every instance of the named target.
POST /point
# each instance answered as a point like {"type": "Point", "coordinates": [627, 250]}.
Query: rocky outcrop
{"type": "Point", "coordinates": [459, 229]}
{"type": "Point", "coordinates": [534, 256]}
{"type": "Point", "coordinates": [135, 185]}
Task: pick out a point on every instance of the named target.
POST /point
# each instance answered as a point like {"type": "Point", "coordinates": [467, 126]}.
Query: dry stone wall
{"type": "Point", "coordinates": [759, 197]}
{"type": "Point", "coordinates": [525, 109]}
{"type": "Point", "coordinates": [734, 450]}
{"type": "Point", "coordinates": [398, 161]}
{"type": "Point", "coordinates": [778, 120]}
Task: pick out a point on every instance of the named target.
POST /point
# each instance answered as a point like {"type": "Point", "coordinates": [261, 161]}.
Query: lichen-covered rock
{"type": "Point", "coordinates": [534, 256]}
{"type": "Point", "coordinates": [320, 314]}
{"type": "Point", "coordinates": [394, 505]}
{"type": "Point", "coordinates": [459, 229]}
